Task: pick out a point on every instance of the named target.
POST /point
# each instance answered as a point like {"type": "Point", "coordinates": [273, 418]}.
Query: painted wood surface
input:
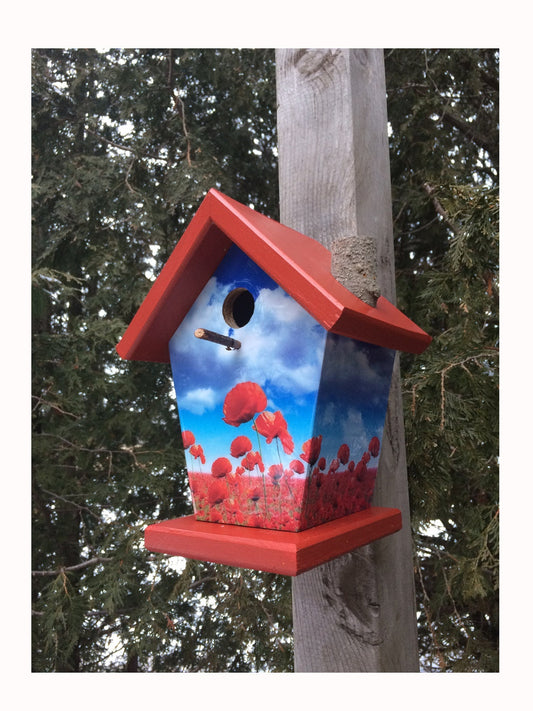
{"type": "Point", "coordinates": [270, 551]}
{"type": "Point", "coordinates": [294, 261]}
{"type": "Point", "coordinates": [355, 613]}
{"type": "Point", "coordinates": [274, 438]}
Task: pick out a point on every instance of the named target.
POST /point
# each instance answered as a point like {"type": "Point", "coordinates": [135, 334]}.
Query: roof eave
{"type": "Point", "coordinates": [300, 265]}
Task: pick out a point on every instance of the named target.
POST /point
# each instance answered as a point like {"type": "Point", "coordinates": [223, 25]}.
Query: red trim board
{"type": "Point", "coordinates": [267, 550]}
{"type": "Point", "coordinates": [297, 263]}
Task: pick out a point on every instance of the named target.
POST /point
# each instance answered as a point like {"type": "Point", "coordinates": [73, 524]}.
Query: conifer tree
{"type": "Point", "coordinates": [443, 109]}
{"type": "Point", "coordinates": [125, 145]}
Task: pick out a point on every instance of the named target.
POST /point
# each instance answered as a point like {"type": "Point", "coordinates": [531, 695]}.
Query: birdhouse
{"type": "Point", "coordinates": [282, 379]}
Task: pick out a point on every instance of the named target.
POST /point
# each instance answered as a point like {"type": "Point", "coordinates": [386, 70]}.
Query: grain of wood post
{"type": "Point", "coordinates": [357, 612]}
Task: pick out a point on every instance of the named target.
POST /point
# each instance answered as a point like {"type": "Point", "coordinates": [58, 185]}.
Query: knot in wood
{"type": "Point", "coordinates": [317, 63]}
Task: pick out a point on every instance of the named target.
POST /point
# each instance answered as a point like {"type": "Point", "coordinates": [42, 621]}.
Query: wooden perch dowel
{"type": "Point", "coordinates": [230, 343]}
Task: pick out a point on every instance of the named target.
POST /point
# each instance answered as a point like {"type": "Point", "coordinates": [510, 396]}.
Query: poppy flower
{"type": "Point", "coordinates": [188, 439]}
{"type": "Point", "coordinates": [255, 521]}
{"type": "Point", "coordinates": [232, 479]}
{"type": "Point", "coordinates": [365, 458]}
{"type": "Point", "coordinates": [322, 463]}
{"type": "Point", "coordinates": [275, 472]}
{"type": "Point", "coordinates": [251, 460]}
{"type": "Point", "coordinates": [216, 493]}
{"type": "Point", "coordinates": [240, 446]}
{"type": "Point", "coordinates": [318, 480]}
{"type": "Point", "coordinates": [239, 470]}
{"type": "Point", "coordinates": [373, 446]}
{"type": "Point", "coordinates": [232, 507]}
{"type": "Point", "coordinates": [271, 425]}
{"type": "Point", "coordinates": [243, 402]}
{"type": "Point", "coordinates": [297, 466]}
{"type": "Point", "coordinates": [344, 453]}
{"type": "Point", "coordinates": [335, 464]}
{"type": "Point", "coordinates": [255, 493]}
{"type": "Point", "coordinates": [360, 470]}
{"type": "Point", "coordinates": [311, 449]}
{"type": "Point", "coordinates": [288, 473]}
{"type": "Point", "coordinates": [215, 516]}
{"type": "Point", "coordinates": [351, 466]}
{"type": "Point", "coordinates": [197, 451]}
{"type": "Point", "coordinates": [221, 467]}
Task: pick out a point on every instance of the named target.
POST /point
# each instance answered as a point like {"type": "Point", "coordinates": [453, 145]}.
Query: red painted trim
{"type": "Point", "coordinates": [192, 262]}
{"type": "Point", "coordinates": [299, 264]}
{"type": "Point", "coordinates": [270, 551]}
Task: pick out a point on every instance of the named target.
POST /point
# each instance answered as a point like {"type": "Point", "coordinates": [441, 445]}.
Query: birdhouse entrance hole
{"type": "Point", "coordinates": [238, 308]}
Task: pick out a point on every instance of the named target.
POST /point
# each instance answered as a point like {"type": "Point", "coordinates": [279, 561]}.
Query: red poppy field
{"type": "Point", "coordinates": [288, 503]}
{"type": "Point", "coordinates": [240, 489]}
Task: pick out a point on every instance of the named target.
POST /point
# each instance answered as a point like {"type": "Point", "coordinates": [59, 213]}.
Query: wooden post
{"type": "Point", "coordinates": [356, 613]}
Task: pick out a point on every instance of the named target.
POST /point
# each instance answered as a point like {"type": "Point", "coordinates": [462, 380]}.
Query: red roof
{"type": "Point", "coordinates": [299, 264]}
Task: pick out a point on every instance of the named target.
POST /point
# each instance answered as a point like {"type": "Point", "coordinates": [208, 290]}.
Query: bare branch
{"type": "Point", "coordinates": [122, 147]}
{"type": "Point", "coordinates": [132, 190]}
{"type": "Point", "coordinates": [124, 449]}
{"type": "Point", "coordinates": [181, 111]}
{"type": "Point", "coordinates": [425, 605]}
{"type": "Point", "coordinates": [170, 64]}
{"type": "Point", "coordinates": [201, 581]}
{"type": "Point", "coordinates": [72, 503]}
{"type": "Point", "coordinates": [54, 407]}
{"type": "Point", "coordinates": [78, 566]}
{"type": "Point", "coordinates": [468, 130]}
{"type": "Point", "coordinates": [438, 207]}
{"type": "Point", "coordinates": [179, 107]}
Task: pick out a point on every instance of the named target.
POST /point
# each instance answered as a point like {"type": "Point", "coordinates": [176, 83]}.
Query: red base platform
{"type": "Point", "coordinates": [267, 550]}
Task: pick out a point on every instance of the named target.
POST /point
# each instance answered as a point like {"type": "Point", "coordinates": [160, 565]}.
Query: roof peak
{"type": "Point", "coordinates": [299, 264]}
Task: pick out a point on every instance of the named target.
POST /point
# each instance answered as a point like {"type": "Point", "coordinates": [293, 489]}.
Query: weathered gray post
{"type": "Point", "coordinates": [356, 613]}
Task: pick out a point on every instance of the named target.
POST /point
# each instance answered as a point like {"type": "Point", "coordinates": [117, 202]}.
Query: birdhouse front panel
{"type": "Point", "coordinates": [281, 421]}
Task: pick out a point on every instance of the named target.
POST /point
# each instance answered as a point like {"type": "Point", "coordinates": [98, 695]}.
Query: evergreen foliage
{"type": "Point", "coordinates": [125, 145]}
{"type": "Point", "coordinates": [443, 110]}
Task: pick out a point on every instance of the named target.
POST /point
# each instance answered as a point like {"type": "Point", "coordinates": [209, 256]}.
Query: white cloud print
{"type": "Point", "coordinates": [282, 344]}
{"type": "Point", "coordinates": [199, 400]}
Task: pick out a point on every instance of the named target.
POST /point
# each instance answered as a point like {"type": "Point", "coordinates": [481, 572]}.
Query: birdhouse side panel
{"type": "Point", "coordinates": [246, 413]}
{"type": "Point", "coordinates": [343, 454]}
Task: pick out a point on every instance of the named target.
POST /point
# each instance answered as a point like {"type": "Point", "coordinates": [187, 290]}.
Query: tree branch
{"type": "Point", "coordinates": [78, 566]}
{"type": "Point", "coordinates": [201, 581]}
{"type": "Point", "coordinates": [132, 190]}
{"type": "Point", "coordinates": [489, 80]}
{"type": "Point", "coordinates": [179, 106]}
{"type": "Point", "coordinates": [467, 129]}
{"type": "Point", "coordinates": [54, 407]}
{"type": "Point", "coordinates": [459, 363]}
{"type": "Point", "coordinates": [426, 605]}
{"type": "Point", "coordinates": [72, 503]}
{"type": "Point", "coordinates": [122, 147]}
{"type": "Point", "coordinates": [124, 449]}
{"type": "Point", "coordinates": [439, 208]}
